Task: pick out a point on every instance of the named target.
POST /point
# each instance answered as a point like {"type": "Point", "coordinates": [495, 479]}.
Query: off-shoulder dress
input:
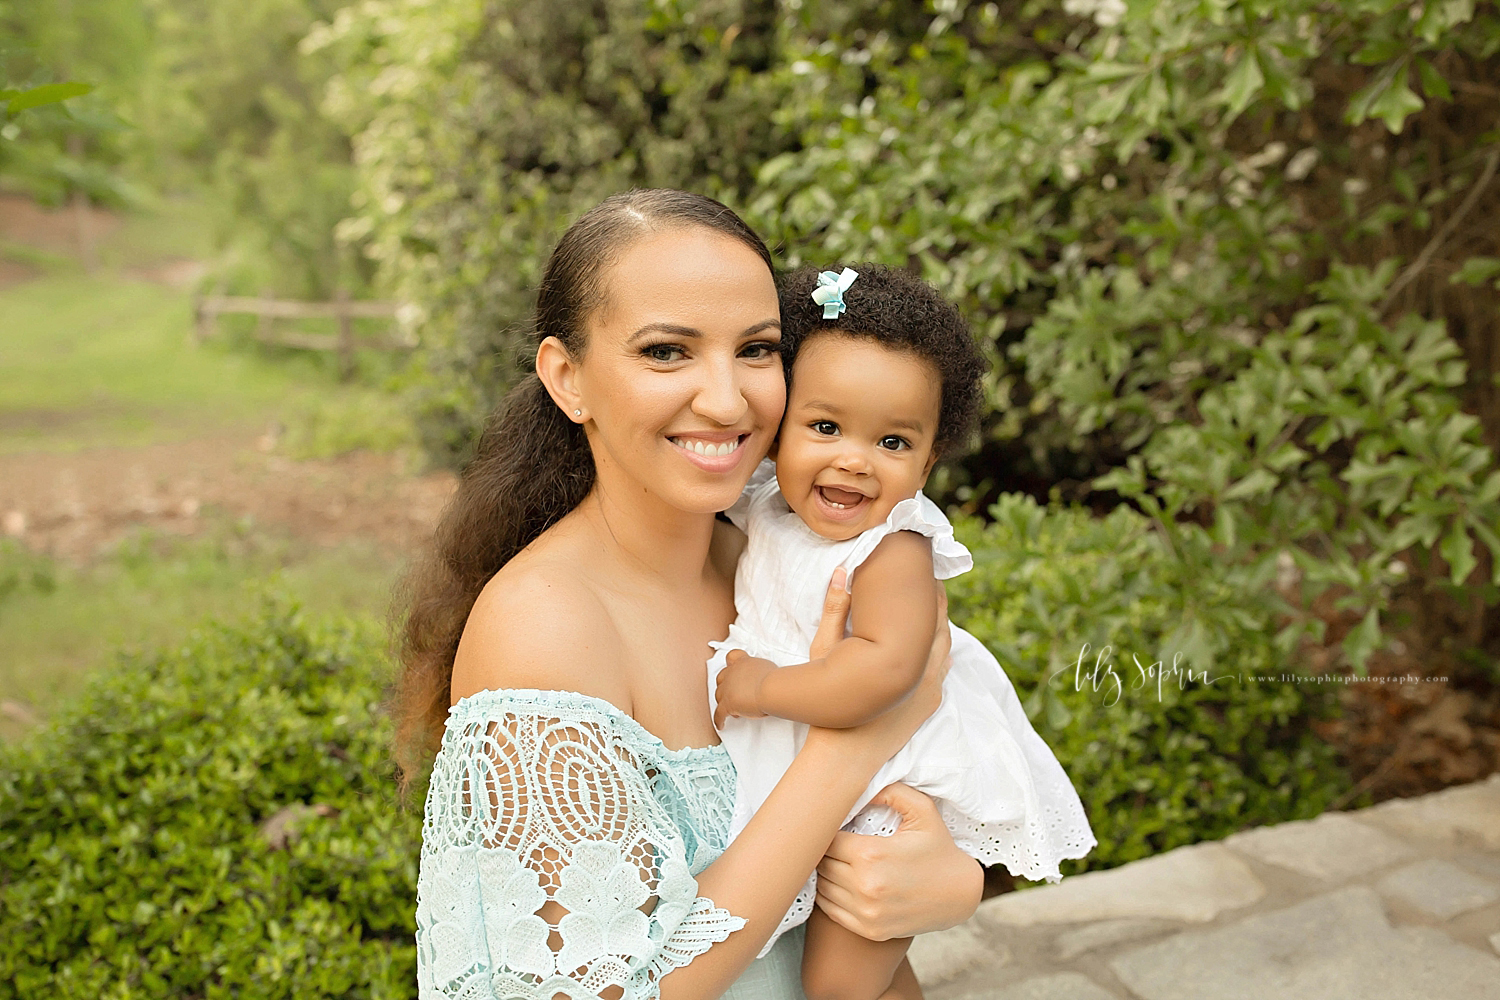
{"type": "Point", "coordinates": [544, 797]}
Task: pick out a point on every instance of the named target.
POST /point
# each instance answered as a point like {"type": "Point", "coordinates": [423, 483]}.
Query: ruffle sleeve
{"type": "Point", "coordinates": [919, 514]}
{"type": "Point", "coordinates": [739, 511]}
{"type": "Point", "coordinates": [549, 864]}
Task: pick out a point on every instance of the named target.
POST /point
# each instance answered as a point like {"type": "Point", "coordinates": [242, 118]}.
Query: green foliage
{"type": "Point", "coordinates": [1196, 294]}
{"type": "Point", "coordinates": [62, 621]}
{"type": "Point", "coordinates": [1138, 669]}
{"type": "Point", "coordinates": [229, 103]}
{"type": "Point", "coordinates": [59, 135]}
{"type": "Point", "coordinates": [1196, 238]}
{"type": "Point", "coordinates": [215, 821]}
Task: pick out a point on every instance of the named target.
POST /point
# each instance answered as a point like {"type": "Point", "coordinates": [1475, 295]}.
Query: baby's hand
{"type": "Point", "coordinates": [738, 692]}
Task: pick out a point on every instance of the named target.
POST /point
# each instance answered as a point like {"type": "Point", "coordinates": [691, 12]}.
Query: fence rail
{"type": "Point", "coordinates": [208, 308]}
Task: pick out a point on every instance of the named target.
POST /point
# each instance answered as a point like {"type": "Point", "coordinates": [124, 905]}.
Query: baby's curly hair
{"type": "Point", "coordinates": [894, 307]}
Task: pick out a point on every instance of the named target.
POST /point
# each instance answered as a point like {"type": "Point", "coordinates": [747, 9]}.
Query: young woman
{"type": "Point", "coordinates": [578, 812]}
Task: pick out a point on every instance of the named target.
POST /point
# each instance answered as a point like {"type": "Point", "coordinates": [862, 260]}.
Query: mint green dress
{"type": "Point", "coordinates": [553, 797]}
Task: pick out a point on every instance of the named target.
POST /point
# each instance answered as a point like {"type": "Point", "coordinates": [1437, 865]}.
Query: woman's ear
{"type": "Point", "coordinates": [559, 374]}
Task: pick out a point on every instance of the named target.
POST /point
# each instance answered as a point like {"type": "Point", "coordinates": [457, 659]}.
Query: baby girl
{"type": "Point", "coordinates": [883, 377]}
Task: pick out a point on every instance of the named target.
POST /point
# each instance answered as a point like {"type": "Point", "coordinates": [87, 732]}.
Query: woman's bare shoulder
{"type": "Point", "coordinates": [537, 624]}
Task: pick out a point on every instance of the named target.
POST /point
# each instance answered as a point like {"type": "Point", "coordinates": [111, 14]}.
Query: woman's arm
{"type": "Point", "coordinates": [863, 674]}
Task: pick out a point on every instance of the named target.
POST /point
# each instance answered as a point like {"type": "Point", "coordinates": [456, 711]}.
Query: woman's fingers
{"type": "Point", "coordinates": [835, 614]}
{"type": "Point", "coordinates": [915, 880]}
{"type": "Point", "coordinates": [850, 904]}
{"type": "Point", "coordinates": [916, 809]}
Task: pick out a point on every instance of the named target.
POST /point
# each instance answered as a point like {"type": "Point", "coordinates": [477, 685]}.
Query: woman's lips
{"type": "Point", "coordinates": [840, 505]}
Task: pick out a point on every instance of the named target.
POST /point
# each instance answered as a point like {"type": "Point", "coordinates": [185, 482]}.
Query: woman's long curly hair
{"type": "Point", "coordinates": [532, 464]}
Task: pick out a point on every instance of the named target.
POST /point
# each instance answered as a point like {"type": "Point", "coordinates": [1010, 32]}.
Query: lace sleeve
{"type": "Point", "coordinates": [548, 866]}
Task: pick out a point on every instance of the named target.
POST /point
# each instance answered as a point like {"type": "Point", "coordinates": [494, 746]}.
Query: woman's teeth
{"type": "Point", "coordinates": [705, 448]}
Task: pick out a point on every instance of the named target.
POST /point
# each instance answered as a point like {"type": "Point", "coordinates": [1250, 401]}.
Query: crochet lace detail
{"type": "Point", "coordinates": [559, 849]}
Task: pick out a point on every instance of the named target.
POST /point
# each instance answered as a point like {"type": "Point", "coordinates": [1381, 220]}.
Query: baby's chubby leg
{"type": "Point", "coordinates": [838, 964]}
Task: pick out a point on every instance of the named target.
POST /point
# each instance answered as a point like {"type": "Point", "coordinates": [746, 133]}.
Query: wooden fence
{"type": "Point", "coordinates": [208, 308]}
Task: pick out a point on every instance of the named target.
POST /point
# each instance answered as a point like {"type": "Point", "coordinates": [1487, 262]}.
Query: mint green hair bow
{"type": "Point", "coordinates": [830, 291]}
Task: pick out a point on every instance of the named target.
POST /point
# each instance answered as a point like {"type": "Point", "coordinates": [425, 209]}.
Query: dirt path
{"type": "Point", "coordinates": [76, 506]}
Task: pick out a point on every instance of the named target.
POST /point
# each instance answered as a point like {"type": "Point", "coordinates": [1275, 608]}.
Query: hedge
{"type": "Point", "coordinates": [214, 821]}
{"type": "Point", "coordinates": [220, 820]}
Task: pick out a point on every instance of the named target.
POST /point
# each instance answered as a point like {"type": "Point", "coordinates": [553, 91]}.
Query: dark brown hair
{"type": "Point", "coordinates": [532, 464]}
{"type": "Point", "coordinates": [894, 307]}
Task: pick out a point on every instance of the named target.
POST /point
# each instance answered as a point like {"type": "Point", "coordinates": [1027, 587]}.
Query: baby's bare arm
{"type": "Point", "coordinates": [893, 606]}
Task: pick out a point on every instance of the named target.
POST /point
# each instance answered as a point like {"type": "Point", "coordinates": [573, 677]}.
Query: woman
{"type": "Point", "coordinates": [578, 810]}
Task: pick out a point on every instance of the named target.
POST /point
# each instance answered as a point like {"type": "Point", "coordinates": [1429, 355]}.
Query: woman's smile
{"type": "Point", "coordinates": [711, 452]}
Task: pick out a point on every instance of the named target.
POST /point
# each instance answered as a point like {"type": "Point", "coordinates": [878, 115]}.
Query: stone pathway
{"type": "Point", "coordinates": [1401, 900]}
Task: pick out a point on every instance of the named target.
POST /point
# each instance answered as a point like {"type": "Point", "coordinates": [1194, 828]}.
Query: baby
{"type": "Point", "coordinates": [883, 376]}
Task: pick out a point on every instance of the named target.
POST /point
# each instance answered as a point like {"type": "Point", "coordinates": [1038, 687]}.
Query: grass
{"type": "Point", "coordinates": [62, 622]}
{"type": "Point", "coordinates": [100, 360]}
{"type": "Point", "coordinates": [107, 360]}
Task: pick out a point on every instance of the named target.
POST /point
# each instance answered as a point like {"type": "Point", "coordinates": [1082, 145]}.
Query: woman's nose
{"type": "Point", "coordinates": [721, 398]}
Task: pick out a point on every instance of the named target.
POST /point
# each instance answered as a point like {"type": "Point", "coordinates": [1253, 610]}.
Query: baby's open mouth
{"type": "Point", "coordinates": [841, 499]}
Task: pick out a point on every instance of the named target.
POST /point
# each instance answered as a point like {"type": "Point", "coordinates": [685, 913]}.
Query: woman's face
{"type": "Point", "coordinates": [680, 383]}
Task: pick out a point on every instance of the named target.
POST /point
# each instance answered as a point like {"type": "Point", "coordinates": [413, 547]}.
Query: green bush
{"type": "Point", "coordinates": [219, 820]}
{"type": "Point", "coordinates": [216, 821]}
{"type": "Point", "coordinates": [1226, 257]}
{"type": "Point", "coordinates": [1155, 767]}
{"type": "Point", "coordinates": [1224, 264]}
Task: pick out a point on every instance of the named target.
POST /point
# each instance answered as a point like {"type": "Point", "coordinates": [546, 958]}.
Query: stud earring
{"type": "Point", "coordinates": [577, 413]}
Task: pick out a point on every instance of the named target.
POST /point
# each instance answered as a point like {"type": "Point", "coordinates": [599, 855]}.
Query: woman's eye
{"type": "Point", "coordinates": [825, 427]}
{"type": "Point", "coordinates": [894, 443]}
{"type": "Point", "coordinates": [758, 351]}
{"type": "Point", "coordinates": [663, 352]}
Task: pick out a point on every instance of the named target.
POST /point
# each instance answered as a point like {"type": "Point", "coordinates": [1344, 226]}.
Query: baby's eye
{"type": "Point", "coordinates": [894, 443]}
{"type": "Point", "coordinates": [663, 352]}
{"type": "Point", "coordinates": [824, 427]}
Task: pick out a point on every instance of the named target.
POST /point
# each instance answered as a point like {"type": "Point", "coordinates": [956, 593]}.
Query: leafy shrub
{"type": "Point", "coordinates": [216, 821]}
{"type": "Point", "coordinates": [1078, 609]}
{"type": "Point", "coordinates": [1228, 259]}
{"type": "Point", "coordinates": [1216, 252]}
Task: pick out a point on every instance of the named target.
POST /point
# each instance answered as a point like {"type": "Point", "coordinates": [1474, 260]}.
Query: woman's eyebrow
{"type": "Point", "coordinates": [672, 328]}
{"type": "Point", "coordinates": [687, 331]}
{"type": "Point", "coordinates": [764, 324]}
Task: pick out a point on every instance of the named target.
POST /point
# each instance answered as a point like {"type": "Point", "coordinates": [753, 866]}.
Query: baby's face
{"type": "Point", "coordinates": [858, 433]}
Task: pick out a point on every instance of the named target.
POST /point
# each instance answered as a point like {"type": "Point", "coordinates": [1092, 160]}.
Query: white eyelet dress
{"type": "Point", "coordinates": [1000, 790]}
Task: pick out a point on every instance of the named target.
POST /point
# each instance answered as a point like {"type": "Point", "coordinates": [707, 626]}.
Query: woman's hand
{"type": "Point", "coordinates": [912, 882]}
{"type": "Point", "coordinates": [835, 618]}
